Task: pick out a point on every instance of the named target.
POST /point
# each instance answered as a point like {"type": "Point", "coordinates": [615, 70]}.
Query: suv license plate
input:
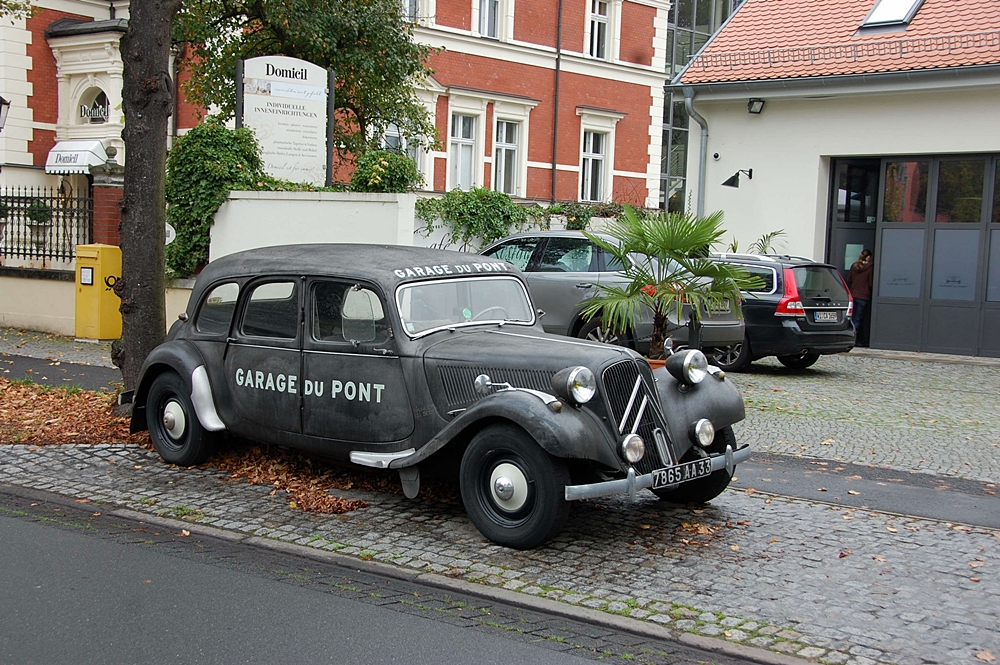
{"type": "Point", "coordinates": [672, 475]}
{"type": "Point", "coordinates": [826, 317]}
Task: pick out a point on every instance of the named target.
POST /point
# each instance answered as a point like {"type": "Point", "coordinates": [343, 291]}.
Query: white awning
{"type": "Point", "coordinates": [75, 156]}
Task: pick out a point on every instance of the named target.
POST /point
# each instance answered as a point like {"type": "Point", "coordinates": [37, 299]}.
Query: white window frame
{"type": "Point", "coordinates": [411, 10]}
{"type": "Point", "coordinates": [411, 151]}
{"type": "Point", "coordinates": [593, 165]}
{"type": "Point", "coordinates": [612, 22]}
{"type": "Point", "coordinates": [500, 151]}
{"type": "Point", "coordinates": [484, 6]}
{"type": "Point", "coordinates": [598, 121]}
{"type": "Point", "coordinates": [595, 49]}
{"type": "Point", "coordinates": [455, 145]}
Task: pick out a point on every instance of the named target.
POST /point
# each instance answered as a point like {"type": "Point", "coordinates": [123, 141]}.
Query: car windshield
{"type": "Point", "coordinates": [447, 303]}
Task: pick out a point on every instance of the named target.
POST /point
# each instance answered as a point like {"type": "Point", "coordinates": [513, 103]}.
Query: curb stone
{"type": "Point", "coordinates": [499, 594]}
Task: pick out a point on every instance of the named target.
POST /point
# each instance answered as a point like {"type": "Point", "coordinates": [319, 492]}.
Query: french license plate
{"type": "Point", "coordinates": [681, 473]}
{"type": "Point", "coordinates": [825, 317]}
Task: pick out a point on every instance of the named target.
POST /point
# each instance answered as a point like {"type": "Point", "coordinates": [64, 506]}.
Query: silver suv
{"type": "Point", "coordinates": [563, 270]}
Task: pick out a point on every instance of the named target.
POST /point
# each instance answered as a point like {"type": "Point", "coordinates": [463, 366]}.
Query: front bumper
{"type": "Point", "coordinates": [633, 483]}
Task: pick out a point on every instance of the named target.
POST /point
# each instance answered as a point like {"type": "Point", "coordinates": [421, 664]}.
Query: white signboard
{"type": "Point", "coordinates": [284, 102]}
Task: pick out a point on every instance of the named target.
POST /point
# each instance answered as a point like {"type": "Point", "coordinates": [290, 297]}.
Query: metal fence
{"type": "Point", "coordinates": [43, 224]}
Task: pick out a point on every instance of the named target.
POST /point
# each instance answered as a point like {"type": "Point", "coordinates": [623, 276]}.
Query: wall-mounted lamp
{"type": "Point", "coordinates": [734, 180]}
{"type": "Point", "coordinates": [4, 110]}
{"type": "Point", "coordinates": [755, 106]}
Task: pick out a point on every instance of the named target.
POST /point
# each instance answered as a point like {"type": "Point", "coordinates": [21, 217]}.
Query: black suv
{"type": "Point", "coordinates": [802, 311]}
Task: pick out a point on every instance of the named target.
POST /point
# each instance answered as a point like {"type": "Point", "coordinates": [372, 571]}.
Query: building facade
{"type": "Point", "coordinates": [543, 104]}
{"type": "Point", "coordinates": [873, 128]}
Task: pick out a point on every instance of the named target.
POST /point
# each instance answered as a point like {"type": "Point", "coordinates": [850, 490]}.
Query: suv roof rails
{"type": "Point", "coordinates": [742, 255]}
{"type": "Point", "coordinates": [793, 257]}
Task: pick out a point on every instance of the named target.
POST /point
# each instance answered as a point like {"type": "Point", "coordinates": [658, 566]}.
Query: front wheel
{"type": "Point", "coordinates": [174, 428]}
{"type": "Point", "coordinates": [513, 490]}
{"type": "Point", "coordinates": [707, 488]}
{"type": "Point", "coordinates": [799, 360]}
{"type": "Point", "coordinates": [595, 331]}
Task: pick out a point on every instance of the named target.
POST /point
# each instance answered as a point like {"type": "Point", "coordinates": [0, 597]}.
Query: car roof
{"type": "Point", "coordinates": [773, 259]}
{"type": "Point", "coordinates": [383, 264]}
{"type": "Point", "coordinates": [562, 233]}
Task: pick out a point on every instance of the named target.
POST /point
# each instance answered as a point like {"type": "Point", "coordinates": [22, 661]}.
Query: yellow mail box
{"type": "Point", "coordinates": [98, 267]}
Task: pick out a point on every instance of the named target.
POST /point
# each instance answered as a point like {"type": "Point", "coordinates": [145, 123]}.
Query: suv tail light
{"type": "Point", "coordinates": [790, 304]}
{"type": "Point", "coordinates": [850, 297]}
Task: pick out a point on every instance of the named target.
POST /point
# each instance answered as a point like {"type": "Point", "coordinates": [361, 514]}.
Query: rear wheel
{"type": "Point", "coordinates": [174, 428]}
{"type": "Point", "coordinates": [595, 331]}
{"type": "Point", "coordinates": [709, 487]}
{"type": "Point", "coordinates": [735, 358]}
{"type": "Point", "coordinates": [800, 360]}
{"type": "Point", "coordinates": [513, 490]}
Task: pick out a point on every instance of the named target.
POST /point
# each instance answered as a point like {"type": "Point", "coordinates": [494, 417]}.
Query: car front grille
{"type": "Point", "coordinates": [460, 392]}
{"type": "Point", "coordinates": [634, 407]}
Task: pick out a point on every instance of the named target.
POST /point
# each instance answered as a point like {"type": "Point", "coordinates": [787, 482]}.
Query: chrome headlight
{"type": "Point", "coordinates": [633, 448]}
{"type": "Point", "coordinates": [703, 432]}
{"type": "Point", "coordinates": [575, 384]}
{"type": "Point", "coordinates": [690, 366]}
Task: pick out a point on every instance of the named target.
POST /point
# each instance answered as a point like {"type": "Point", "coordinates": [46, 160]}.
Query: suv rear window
{"type": "Point", "coordinates": [820, 283]}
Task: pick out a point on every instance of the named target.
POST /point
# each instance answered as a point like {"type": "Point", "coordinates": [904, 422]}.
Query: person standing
{"type": "Point", "coordinates": [860, 280]}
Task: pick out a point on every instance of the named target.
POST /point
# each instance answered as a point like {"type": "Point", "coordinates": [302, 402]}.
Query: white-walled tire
{"type": "Point", "coordinates": [174, 428]}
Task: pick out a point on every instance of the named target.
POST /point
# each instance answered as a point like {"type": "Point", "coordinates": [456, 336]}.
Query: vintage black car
{"type": "Point", "coordinates": [406, 358]}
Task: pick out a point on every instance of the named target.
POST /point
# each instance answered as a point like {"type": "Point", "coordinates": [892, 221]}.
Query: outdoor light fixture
{"type": "Point", "coordinates": [4, 109]}
{"type": "Point", "coordinates": [755, 106]}
{"type": "Point", "coordinates": [734, 180]}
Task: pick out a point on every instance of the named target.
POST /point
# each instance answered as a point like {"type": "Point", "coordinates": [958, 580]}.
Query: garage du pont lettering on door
{"type": "Point", "coordinates": [458, 269]}
{"type": "Point", "coordinates": [350, 390]}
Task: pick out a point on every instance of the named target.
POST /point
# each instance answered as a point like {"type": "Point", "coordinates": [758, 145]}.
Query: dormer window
{"type": "Point", "coordinates": [891, 12]}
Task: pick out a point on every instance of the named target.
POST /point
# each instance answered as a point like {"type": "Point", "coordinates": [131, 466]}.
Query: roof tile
{"type": "Point", "coordinates": [781, 39]}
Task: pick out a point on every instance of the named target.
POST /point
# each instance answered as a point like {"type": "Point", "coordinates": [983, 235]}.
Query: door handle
{"type": "Point", "coordinates": [584, 285]}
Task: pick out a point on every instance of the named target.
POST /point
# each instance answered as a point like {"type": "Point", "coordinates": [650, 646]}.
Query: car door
{"type": "Point", "coordinates": [352, 388]}
{"type": "Point", "coordinates": [263, 359]}
{"type": "Point", "coordinates": [563, 277]}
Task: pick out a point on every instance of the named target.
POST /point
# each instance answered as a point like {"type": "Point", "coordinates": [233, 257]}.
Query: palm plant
{"type": "Point", "coordinates": [665, 259]}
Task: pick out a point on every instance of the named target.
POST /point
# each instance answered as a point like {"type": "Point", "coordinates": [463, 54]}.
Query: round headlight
{"type": "Point", "coordinates": [704, 432]}
{"type": "Point", "coordinates": [633, 448]}
{"type": "Point", "coordinates": [695, 366]}
{"type": "Point", "coordinates": [575, 384]}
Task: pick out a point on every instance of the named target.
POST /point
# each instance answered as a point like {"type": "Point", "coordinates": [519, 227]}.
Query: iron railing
{"type": "Point", "coordinates": [43, 224]}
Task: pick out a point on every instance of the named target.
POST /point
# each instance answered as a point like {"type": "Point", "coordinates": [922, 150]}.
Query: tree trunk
{"type": "Point", "coordinates": [660, 335]}
{"type": "Point", "coordinates": [147, 95]}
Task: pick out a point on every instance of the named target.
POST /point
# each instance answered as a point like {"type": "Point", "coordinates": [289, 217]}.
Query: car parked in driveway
{"type": "Point", "coordinates": [802, 311]}
{"type": "Point", "coordinates": [564, 269]}
{"type": "Point", "coordinates": [405, 358]}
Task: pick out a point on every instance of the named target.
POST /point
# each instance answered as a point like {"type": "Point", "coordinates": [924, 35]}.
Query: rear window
{"type": "Point", "coordinates": [819, 283]}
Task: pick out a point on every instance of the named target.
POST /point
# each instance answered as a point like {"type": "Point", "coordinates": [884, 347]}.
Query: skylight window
{"type": "Point", "coordinates": [891, 12]}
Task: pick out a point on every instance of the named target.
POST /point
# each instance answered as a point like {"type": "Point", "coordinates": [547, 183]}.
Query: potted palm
{"type": "Point", "coordinates": [665, 260]}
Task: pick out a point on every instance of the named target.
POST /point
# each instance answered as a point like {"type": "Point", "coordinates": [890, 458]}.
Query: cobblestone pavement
{"type": "Point", "coordinates": [909, 415]}
{"type": "Point", "coordinates": [837, 585]}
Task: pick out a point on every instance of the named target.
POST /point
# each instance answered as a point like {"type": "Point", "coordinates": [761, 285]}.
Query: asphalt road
{"type": "Point", "coordinates": [886, 490]}
{"type": "Point", "coordinates": [79, 587]}
{"type": "Point", "coordinates": [58, 373]}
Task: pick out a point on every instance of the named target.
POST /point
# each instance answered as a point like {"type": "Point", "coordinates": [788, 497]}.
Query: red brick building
{"type": "Point", "coordinates": [526, 100]}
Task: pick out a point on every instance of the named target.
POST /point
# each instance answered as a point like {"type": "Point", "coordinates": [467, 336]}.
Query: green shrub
{"type": "Point", "coordinates": [577, 216]}
{"type": "Point", "coordinates": [385, 171]}
{"type": "Point", "coordinates": [477, 213]}
{"type": "Point", "coordinates": [4, 210]}
{"type": "Point", "coordinates": [38, 212]}
{"type": "Point", "coordinates": [202, 168]}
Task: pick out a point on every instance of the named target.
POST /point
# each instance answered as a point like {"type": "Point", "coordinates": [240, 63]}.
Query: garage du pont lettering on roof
{"type": "Point", "coordinates": [458, 269]}
{"type": "Point", "coordinates": [349, 390]}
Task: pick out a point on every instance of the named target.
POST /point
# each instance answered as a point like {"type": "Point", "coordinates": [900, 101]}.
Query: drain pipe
{"type": "Point", "coordinates": [555, 113]}
{"type": "Point", "coordinates": [703, 153]}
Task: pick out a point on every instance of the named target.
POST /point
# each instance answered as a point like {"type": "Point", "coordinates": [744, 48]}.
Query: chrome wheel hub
{"type": "Point", "coordinates": [508, 487]}
{"type": "Point", "coordinates": [174, 420]}
{"type": "Point", "coordinates": [602, 335]}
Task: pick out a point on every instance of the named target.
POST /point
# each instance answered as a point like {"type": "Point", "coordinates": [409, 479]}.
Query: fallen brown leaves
{"type": "Point", "coordinates": [39, 415]}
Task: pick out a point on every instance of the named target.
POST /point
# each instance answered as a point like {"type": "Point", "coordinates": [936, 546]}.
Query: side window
{"type": "Point", "coordinates": [216, 312]}
{"type": "Point", "coordinates": [517, 252]}
{"type": "Point", "coordinates": [611, 263]}
{"type": "Point", "coordinates": [567, 255]}
{"type": "Point", "coordinates": [345, 313]}
{"type": "Point", "coordinates": [272, 311]}
{"type": "Point", "coordinates": [765, 274]}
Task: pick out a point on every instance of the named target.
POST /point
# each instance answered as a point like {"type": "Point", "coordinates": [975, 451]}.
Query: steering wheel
{"type": "Point", "coordinates": [479, 314]}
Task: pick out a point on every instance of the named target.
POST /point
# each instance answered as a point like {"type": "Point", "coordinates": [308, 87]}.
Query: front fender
{"type": "Point", "coordinates": [182, 357]}
{"type": "Point", "coordinates": [719, 401]}
{"type": "Point", "coordinates": [571, 432]}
